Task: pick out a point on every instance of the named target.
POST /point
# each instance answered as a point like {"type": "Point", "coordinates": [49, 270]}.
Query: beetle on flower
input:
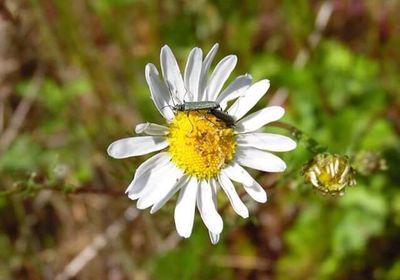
{"type": "Point", "coordinates": [199, 151]}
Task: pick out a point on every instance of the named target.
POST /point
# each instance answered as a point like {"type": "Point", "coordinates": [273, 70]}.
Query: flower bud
{"type": "Point", "coordinates": [368, 163]}
{"type": "Point", "coordinates": [329, 173]}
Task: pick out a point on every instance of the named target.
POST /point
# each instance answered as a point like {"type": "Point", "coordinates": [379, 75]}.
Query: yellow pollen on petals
{"type": "Point", "coordinates": [200, 144]}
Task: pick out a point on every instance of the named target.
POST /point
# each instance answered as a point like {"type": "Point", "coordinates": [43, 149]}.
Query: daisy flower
{"type": "Point", "coordinates": [198, 152]}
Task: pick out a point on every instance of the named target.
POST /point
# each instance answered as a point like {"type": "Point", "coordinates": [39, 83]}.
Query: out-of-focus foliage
{"type": "Point", "coordinates": [72, 81]}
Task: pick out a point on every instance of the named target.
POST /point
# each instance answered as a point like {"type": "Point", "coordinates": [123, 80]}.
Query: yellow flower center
{"type": "Point", "coordinates": [200, 144]}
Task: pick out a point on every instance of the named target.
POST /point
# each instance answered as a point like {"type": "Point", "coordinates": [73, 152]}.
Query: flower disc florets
{"type": "Point", "coordinates": [200, 144]}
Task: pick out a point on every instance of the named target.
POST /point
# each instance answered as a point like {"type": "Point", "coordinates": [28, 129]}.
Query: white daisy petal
{"type": "Point", "coordinates": [171, 73]}
{"type": "Point", "coordinates": [259, 160]}
{"type": "Point", "coordinates": [184, 210]}
{"type": "Point", "coordinates": [247, 101]}
{"type": "Point", "coordinates": [234, 90]}
{"type": "Point", "coordinates": [233, 196]}
{"type": "Point", "coordinates": [167, 196]}
{"type": "Point", "coordinates": [204, 70]}
{"type": "Point", "coordinates": [141, 184]}
{"type": "Point", "coordinates": [207, 208]}
{"type": "Point", "coordinates": [256, 192]}
{"type": "Point", "coordinates": [159, 92]}
{"type": "Point", "coordinates": [214, 188]}
{"type": "Point", "coordinates": [152, 163]}
{"type": "Point", "coordinates": [192, 73]}
{"type": "Point", "coordinates": [266, 141]}
{"type": "Point", "coordinates": [260, 118]}
{"type": "Point", "coordinates": [136, 146]}
{"type": "Point", "coordinates": [151, 129]}
{"type": "Point", "coordinates": [238, 174]}
{"type": "Point", "coordinates": [213, 237]}
{"type": "Point", "coordinates": [219, 76]}
{"type": "Point", "coordinates": [169, 178]}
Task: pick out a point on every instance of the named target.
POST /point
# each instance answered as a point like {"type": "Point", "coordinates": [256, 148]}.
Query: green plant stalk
{"type": "Point", "coordinates": [310, 143]}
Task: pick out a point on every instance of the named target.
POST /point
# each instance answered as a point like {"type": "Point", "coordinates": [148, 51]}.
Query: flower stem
{"type": "Point", "coordinates": [310, 143]}
{"type": "Point", "coordinates": [11, 190]}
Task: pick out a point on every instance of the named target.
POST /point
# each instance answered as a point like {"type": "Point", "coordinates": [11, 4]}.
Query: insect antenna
{"type": "Point", "coordinates": [187, 92]}
{"type": "Point", "coordinates": [170, 90]}
{"type": "Point", "coordinates": [174, 106]}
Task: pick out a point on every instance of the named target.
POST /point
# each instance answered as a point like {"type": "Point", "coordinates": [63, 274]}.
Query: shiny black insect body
{"type": "Point", "coordinates": [213, 107]}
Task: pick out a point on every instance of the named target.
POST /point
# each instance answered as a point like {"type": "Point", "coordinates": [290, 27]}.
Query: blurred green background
{"type": "Point", "coordinates": [72, 81]}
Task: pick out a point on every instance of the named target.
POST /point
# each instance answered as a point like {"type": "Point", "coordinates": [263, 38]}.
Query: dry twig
{"type": "Point", "coordinates": [97, 244]}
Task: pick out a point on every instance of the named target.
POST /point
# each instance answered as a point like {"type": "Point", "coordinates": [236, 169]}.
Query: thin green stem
{"type": "Point", "coordinates": [11, 190]}
{"type": "Point", "coordinates": [310, 143]}
{"type": "Point", "coordinates": [362, 132]}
